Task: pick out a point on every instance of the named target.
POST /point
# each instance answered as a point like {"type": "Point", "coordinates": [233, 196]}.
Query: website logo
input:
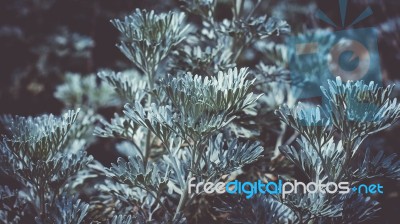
{"type": "Point", "coordinates": [279, 187]}
{"type": "Point", "coordinates": [322, 55]}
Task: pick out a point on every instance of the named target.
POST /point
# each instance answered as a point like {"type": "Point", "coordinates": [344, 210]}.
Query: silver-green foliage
{"type": "Point", "coordinates": [149, 37]}
{"type": "Point", "coordinates": [329, 144]}
{"type": "Point", "coordinates": [184, 125]}
{"type": "Point", "coordinates": [41, 155]}
{"type": "Point", "coordinates": [174, 126]}
{"type": "Point", "coordinates": [188, 112]}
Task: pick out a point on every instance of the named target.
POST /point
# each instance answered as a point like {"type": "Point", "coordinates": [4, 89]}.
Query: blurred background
{"type": "Point", "coordinates": [43, 40]}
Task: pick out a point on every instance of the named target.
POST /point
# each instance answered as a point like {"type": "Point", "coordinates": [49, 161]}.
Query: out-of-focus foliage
{"type": "Point", "coordinates": [205, 91]}
{"type": "Point", "coordinates": [85, 92]}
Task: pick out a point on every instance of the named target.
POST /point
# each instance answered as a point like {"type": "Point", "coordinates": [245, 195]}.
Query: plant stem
{"type": "Point", "coordinates": [150, 76]}
{"type": "Point", "coordinates": [279, 140]}
{"type": "Point", "coordinates": [42, 202]}
{"type": "Point", "coordinates": [148, 148]}
{"type": "Point", "coordinates": [184, 197]}
{"type": "Point", "coordinates": [157, 199]}
{"type": "Point", "coordinates": [347, 159]}
{"type": "Point", "coordinates": [253, 10]}
{"type": "Point", "coordinates": [185, 193]}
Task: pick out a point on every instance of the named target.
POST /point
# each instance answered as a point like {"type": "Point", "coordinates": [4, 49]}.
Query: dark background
{"type": "Point", "coordinates": [41, 40]}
